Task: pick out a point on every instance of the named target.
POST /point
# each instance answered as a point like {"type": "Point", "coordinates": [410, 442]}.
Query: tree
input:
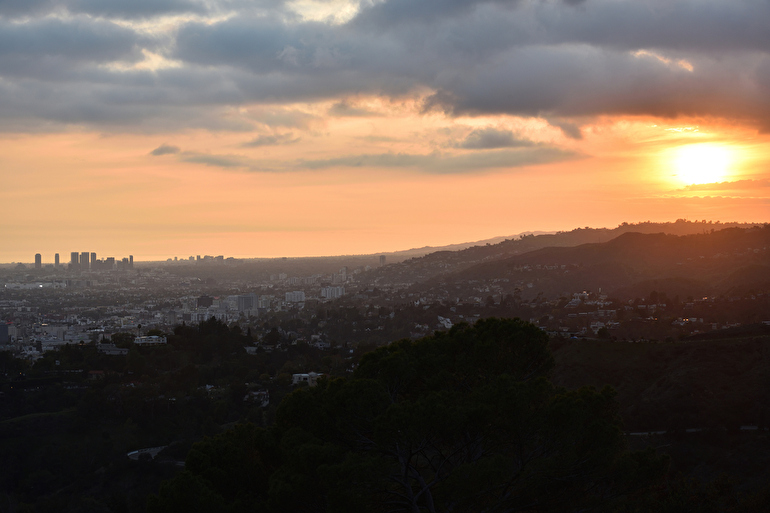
{"type": "Point", "coordinates": [460, 421]}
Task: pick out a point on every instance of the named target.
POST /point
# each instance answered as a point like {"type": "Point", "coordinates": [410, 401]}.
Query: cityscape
{"type": "Point", "coordinates": [385, 256]}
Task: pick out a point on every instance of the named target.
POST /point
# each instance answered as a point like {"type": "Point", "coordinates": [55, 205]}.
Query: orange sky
{"type": "Point", "coordinates": [161, 137]}
{"type": "Point", "coordinates": [87, 191]}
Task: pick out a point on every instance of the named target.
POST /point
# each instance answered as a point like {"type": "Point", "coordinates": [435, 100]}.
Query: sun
{"type": "Point", "coordinates": [701, 163]}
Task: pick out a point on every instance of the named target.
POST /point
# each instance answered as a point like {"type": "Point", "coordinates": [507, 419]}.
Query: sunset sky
{"type": "Point", "coordinates": [165, 128]}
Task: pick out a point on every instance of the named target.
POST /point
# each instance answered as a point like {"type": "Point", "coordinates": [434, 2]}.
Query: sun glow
{"type": "Point", "coordinates": [702, 163]}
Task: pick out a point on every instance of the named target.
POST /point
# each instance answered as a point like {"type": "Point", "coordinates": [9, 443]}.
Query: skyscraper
{"type": "Point", "coordinates": [74, 262]}
{"type": "Point", "coordinates": [38, 261]}
{"type": "Point", "coordinates": [56, 260]}
{"type": "Point", "coordinates": [84, 260]}
{"type": "Point", "coordinates": [131, 261]}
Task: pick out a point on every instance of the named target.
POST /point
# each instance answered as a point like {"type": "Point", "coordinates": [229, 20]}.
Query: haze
{"type": "Point", "coordinates": [271, 128]}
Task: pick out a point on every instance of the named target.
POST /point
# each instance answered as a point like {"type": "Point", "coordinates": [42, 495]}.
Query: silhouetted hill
{"type": "Point", "coordinates": [729, 261]}
{"type": "Point", "coordinates": [447, 260]}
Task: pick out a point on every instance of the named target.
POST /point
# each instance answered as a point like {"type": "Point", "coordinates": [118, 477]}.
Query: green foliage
{"type": "Point", "coordinates": [464, 421]}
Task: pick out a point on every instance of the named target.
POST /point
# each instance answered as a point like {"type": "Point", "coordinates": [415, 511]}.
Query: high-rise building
{"type": "Point", "coordinates": [93, 257]}
{"type": "Point", "coordinates": [38, 261]}
{"type": "Point", "coordinates": [56, 260]}
{"type": "Point", "coordinates": [247, 302]}
{"type": "Point", "coordinates": [74, 262]}
{"type": "Point", "coordinates": [131, 261]}
{"type": "Point", "coordinates": [84, 263]}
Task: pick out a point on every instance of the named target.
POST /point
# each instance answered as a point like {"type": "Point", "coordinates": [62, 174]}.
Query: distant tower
{"type": "Point", "coordinates": [74, 262]}
{"type": "Point", "coordinates": [56, 260]}
{"type": "Point", "coordinates": [131, 261]}
{"type": "Point", "coordinates": [38, 261]}
{"type": "Point", "coordinates": [93, 257]}
{"type": "Point", "coordinates": [84, 260]}
{"type": "Point", "coordinates": [382, 260]}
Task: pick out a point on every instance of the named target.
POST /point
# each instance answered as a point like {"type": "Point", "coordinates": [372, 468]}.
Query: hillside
{"type": "Point", "coordinates": [444, 261]}
{"type": "Point", "coordinates": [730, 261]}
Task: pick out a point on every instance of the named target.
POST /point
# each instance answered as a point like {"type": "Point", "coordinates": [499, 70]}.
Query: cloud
{"type": "Point", "coordinates": [135, 8]}
{"type": "Point", "coordinates": [164, 149]}
{"type": "Point", "coordinates": [556, 60]}
{"type": "Point", "coordinates": [125, 9]}
{"type": "Point", "coordinates": [226, 161]}
{"type": "Point", "coordinates": [343, 109]}
{"type": "Point", "coordinates": [738, 185]}
{"type": "Point", "coordinates": [569, 129]}
{"type": "Point", "coordinates": [271, 140]}
{"type": "Point", "coordinates": [75, 41]}
{"type": "Point", "coordinates": [492, 138]}
{"type": "Point", "coordinates": [230, 162]}
{"type": "Point", "coordinates": [439, 163]}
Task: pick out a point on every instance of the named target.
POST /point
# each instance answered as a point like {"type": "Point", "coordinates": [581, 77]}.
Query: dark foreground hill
{"type": "Point", "coordinates": [710, 395]}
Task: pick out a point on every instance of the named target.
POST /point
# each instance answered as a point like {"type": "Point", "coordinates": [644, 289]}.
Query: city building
{"type": "Point", "coordinates": [332, 292]}
{"type": "Point", "coordinates": [84, 257]}
{"type": "Point", "coordinates": [297, 296]}
{"type": "Point", "coordinates": [150, 340]}
{"type": "Point", "coordinates": [38, 261]}
{"type": "Point", "coordinates": [56, 260]}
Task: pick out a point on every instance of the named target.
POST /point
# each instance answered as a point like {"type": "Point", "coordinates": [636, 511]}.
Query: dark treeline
{"type": "Point", "coordinates": [465, 420]}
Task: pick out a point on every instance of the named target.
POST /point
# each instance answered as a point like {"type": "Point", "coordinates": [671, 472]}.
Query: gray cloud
{"type": "Point", "coordinates": [164, 149]}
{"type": "Point", "coordinates": [76, 40]}
{"type": "Point", "coordinates": [271, 140]}
{"type": "Point", "coordinates": [529, 58]}
{"type": "Point", "coordinates": [226, 161]}
{"type": "Point", "coordinates": [446, 164]}
{"type": "Point", "coordinates": [124, 9]}
{"type": "Point", "coordinates": [343, 109]}
{"type": "Point", "coordinates": [136, 8]}
{"type": "Point", "coordinates": [492, 138]}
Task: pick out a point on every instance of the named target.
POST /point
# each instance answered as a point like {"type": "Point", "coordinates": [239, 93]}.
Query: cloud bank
{"type": "Point", "coordinates": [84, 62]}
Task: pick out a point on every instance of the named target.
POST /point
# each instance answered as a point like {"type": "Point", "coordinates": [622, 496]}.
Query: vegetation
{"type": "Point", "coordinates": [460, 421]}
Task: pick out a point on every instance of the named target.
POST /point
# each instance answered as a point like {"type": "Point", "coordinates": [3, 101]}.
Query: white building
{"type": "Point", "coordinates": [150, 340]}
{"type": "Point", "coordinates": [332, 292]}
{"type": "Point", "coordinates": [311, 378]}
{"type": "Point", "coordinates": [297, 296]}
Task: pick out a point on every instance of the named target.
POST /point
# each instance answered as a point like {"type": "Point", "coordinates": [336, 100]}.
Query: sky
{"type": "Point", "coordinates": [267, 128]}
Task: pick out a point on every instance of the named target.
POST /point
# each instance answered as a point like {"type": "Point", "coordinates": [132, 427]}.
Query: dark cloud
{"type": "Point", "coordinates": [164, 149]}
{"type": "Point", "coordinates": [135, 8]}
{"type": "Point", "coordinates": [16, 8]}
{"type": "Point", "coordinates": [378, 15]}
{"type": "Point", "coordinates": [537, 58]}
{"type": "Point", "coordinates": [125, 9]}
{"type": "Point", "coordinates": [343, 109]}
{"type": "Point", "coordinates": [492, 138]}
{"type": "Point", "coordinates": [271, 140]}
{"type": "Point", "coordinates": [568, 128]}
{"type": "Point", "coordinates": [75, 40]}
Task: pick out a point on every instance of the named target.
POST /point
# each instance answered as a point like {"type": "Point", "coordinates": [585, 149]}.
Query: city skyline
{"type": "Point", "coordinates": [312, 128]}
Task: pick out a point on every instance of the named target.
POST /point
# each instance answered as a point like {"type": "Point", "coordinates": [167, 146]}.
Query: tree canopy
{"type": "Point", "coordinates": [465, 420]}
